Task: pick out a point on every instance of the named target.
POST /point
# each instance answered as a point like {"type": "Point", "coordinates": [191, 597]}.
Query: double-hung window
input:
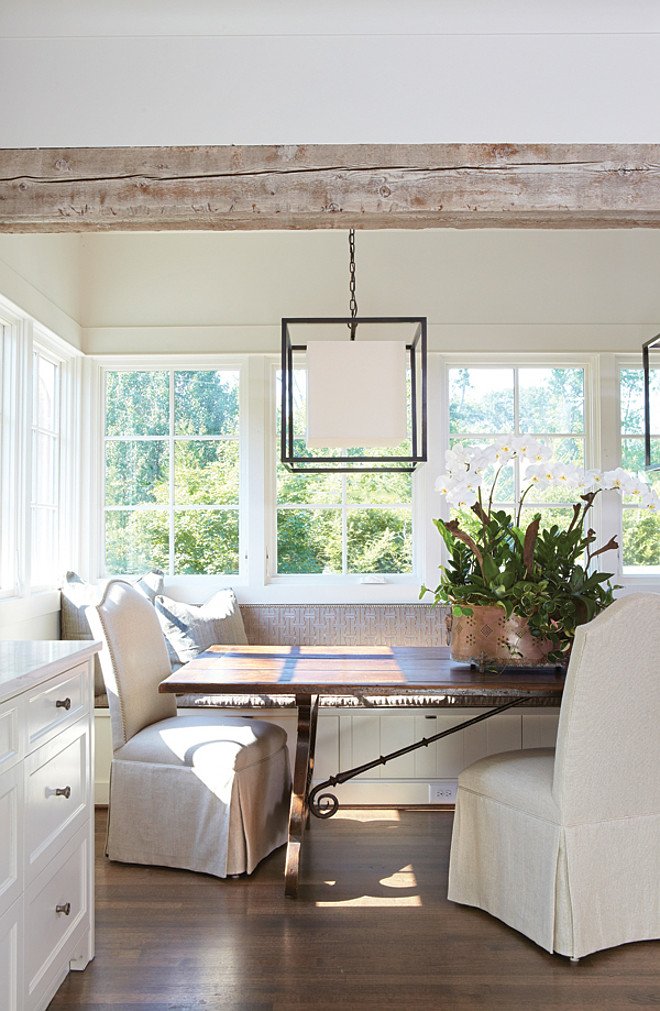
{"type": "Point", "coordinates": [10, 478]}
{"type": "Point", "coordinates": [38, 387]}
{"type": "Point", "coordinates": [341, 524]}
{"type": "Point", "coordinates": [172, 470]}
{"type": "Point", "coordinates": [546, 403]}
{"type": "Point", "coordinates": [46, 468]}
{"type": "Point", "coordinates": [641, 527]}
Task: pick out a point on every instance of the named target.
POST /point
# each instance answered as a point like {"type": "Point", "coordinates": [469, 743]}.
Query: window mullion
{"type": "Point", "coordinates": [517, 480]}
{"type": "Point", "coordinates": [344, 525]}
{"type": "Point", "coordinates": [171, 475]}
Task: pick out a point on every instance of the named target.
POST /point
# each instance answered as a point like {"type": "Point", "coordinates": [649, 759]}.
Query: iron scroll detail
{"type": "Point", "coordinates": [324, 805]}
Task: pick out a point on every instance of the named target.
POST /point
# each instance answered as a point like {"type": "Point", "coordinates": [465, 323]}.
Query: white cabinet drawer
{"type": "Point", "coordinates": [11, 842]}
{"type": "Point", "coordinates": [56, 913]}
{"type": "Point", "coordinates": [56, 793]}
{"type": "Point", "coordinates": [10, 749]}
{"type": "Point", "coordinates": [60, 704]}
{"type": "Point", "coordinates": [11, 958]}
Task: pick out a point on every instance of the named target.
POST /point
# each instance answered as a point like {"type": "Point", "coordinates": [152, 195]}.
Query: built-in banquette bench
{"type": "Point", "coordinates": [354, 730]}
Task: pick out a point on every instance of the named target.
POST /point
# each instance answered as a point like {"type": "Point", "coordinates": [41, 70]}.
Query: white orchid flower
{"type": "Point", "coordinates": [504, 450]}
{"type": "Point", "coordinates": [526, 446]}
{"type": "Point", "coordinates": [537, 475]}
{"type": "Point", "coordinates": [463, 482]}
{"type": "Point", "coordinates": [458, 457]}
{"type": "Point", "coordinates": [582, 484]}
{"type": "Point", "coordinates": [637, 487]}
{"type": "Point", "coordinates": [461, 496]}
{"type": "Point", "coordinates": [541, 453]}
{"type": "Point", "coordinates": [617, 480]}
{"type": "Point", "coordinates": [480, 463]}
{"type": "Point", "coordinates": [592, 480]}
{"type": "Point", "coordinates": [651, 502]}
{"type": "Point", "coordinates": [444, 484]}
{"type": "Point", "coordinates": [597, 478]}
{"type": "Point", "coordinates": [566, 474]}
{"type": "Point", "coordinates": [484, 455]}
{"type": "Point", "coordinates": [541, 474]}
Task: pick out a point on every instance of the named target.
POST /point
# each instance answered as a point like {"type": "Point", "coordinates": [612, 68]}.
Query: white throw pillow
{"type": "Point", "coordinates": [190, 629]}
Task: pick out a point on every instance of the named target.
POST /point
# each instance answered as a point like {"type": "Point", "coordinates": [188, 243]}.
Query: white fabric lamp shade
{"type": "Point", "coordinates": [356, 393]}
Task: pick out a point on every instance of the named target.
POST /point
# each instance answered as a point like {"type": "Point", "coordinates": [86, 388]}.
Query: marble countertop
{"type": "Point", "coordinates": [27, 663]}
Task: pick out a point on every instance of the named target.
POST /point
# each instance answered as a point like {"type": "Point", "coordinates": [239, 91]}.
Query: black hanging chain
{"type": "Point", "coordinates": [352, 305]}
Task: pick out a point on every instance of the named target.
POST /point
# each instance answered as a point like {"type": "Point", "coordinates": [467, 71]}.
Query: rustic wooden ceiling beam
{"type": "Point", "coordinates": [330, 186]}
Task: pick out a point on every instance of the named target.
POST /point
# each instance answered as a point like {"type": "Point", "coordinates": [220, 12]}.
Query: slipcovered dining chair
{"type": "Point", "coordinates": [564, 844]}
{"type": "Point", "coordinates": [204, 792]}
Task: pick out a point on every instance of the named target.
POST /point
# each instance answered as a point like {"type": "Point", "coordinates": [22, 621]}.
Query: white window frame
{"type": "Point", "coordinates": [643, 578]}
{"type": "Point", "coordinates": [360, 587]}
{"type": "Point", "coordinates": [593, 418]}
{"type": "Point", "coordinates": [22, 337]}
{"type": "Point", "coordinates": [69, 464]}
{"type": "Point", "coordinates": [54, 434]}
{"type": "Point", "coordinates": [259, 449]}
{"type": "Point", "coordinates": [189, 587]}
{"type": "Point", "coordinates": [15, 338]}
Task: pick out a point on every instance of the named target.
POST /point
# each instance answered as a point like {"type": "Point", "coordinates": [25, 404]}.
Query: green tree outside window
{"type": "Point", "coordinates": [172, 471]}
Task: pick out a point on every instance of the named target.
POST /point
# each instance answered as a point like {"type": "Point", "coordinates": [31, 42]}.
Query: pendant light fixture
{"type": "Point", "coordinates": [365, 389]}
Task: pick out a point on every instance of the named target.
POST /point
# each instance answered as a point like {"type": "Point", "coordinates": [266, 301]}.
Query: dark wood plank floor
{"type": "Point", "coordinates": [372, 929]}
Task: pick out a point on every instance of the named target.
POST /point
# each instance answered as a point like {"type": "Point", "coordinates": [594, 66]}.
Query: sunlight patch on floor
{"type": "Point", "coordinates": [405, 878]}
{"type": "Point", "coordinates": [366, 814]}
{"type": "Point", "coordinates": [373, 900]}
{"type": "Point", "coordinates": [403, 881]}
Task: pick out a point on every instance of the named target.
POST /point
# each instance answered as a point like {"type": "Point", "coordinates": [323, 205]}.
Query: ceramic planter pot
{"type": "Point", "coordinates": [487, 638]}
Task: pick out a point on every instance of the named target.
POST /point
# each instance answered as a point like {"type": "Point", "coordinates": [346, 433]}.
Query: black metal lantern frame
{"type": "Point", "coordinates": [417, 425]}
{"type": "Point", "coordinates": [649, 345]}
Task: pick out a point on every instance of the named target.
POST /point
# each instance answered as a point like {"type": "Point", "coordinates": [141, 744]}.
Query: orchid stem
{"type": "Point", "coordinates": [520, 504]}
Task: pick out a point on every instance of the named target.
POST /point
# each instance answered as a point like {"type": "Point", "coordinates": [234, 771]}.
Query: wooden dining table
{"type": "Point", "coordinates": [310, 672]}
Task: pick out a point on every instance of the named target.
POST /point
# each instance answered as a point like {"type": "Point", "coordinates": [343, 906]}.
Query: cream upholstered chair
{"type": "Point", "coordinates": [205, 792]}
{"type": "Point", "coordinates": [564, 845]}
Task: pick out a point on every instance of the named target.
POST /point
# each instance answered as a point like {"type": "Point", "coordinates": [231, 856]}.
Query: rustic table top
{"type": "Point", "coordinates": [352, 670]}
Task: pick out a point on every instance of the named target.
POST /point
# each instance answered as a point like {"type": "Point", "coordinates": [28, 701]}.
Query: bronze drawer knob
{"type": "Point", "coordinates": [63, 792]}
{"type": "Point", "coordinates": [63, 704]}
{"type": "Point", "coordinates": [66, 908]}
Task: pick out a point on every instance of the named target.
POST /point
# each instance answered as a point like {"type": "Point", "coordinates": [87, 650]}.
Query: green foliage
{"type": "Point", "coordinates": [541, 574]}
{"type": "Point", "coordinates": [310, 538]}
{"type": "Point", "coordinates": [481, 401]}
{"type": "Point", "coordinates": [379, 540]}
{"type": "Point", "coordinates": [641, 538]}
{"type": "Point", "coordinates": [139, 426]}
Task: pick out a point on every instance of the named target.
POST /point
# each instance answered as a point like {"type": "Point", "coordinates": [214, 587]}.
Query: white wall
{"type": "Point", "coordinates": [90, 73]}
{"type": "Point", "coordinates": [41, 275]}
{"type": "Point", "coordinates": [503, 290]}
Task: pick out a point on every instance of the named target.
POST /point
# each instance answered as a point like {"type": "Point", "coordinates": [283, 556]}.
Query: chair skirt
{"type": "Point", "coordinates": [571, 889]}
{"type": "Point", "coordinates": [200, 792]}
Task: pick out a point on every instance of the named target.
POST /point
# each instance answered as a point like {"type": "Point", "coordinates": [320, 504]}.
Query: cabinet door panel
{"type": "Point", "coordinates": [452, 756]}
{"type": "Point", "coordinates": [61, 765]}
{"type": "Point", "coordinates": [365, 742]}
{"type": "Point", "coordinates": [326, 759]}
{"type": "Point", "coordinates": [57, 904]}
{"type": "Point", "coordinates": [397, 731]}
{"type": "Point", "coordinates": [10, 751]}
{"type": "Point", "coordinates": [11, 958]}
{"type": "Point", "coordinates": [11, 848]}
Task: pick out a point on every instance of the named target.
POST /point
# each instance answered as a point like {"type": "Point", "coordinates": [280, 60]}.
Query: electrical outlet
{"type": "Point", "coordinates": [443, 791]}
